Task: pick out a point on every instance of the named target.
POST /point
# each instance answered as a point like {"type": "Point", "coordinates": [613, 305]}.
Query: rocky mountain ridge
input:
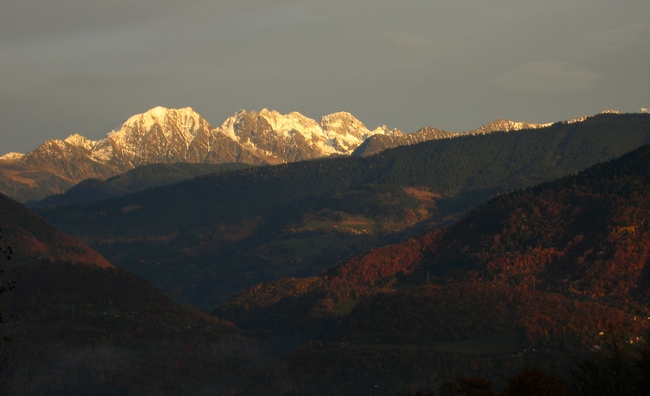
{"type": "Point", "coordinates": [175, 135]}
{"type": "Point", "coordinates": [378, 143]}
{"type": "Point", "coordinates": [290, 219]}
{"type": "Point", "coordinates": [163, 135]}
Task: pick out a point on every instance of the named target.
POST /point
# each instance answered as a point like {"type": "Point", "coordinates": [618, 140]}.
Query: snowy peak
{"type": "Point", "coordinates": [287, 125]}
{"type": "Point", "coordinates": [343, 123]}
{"type": "Point", "coordinates": [293, 137]}
{"type": "Point", "coordinates": [501, 125]}
{"type": "Point", "coordinates": [12, 156]}
{"type": "Point", "coordinates": [157, 135]}
{"type": "Point", "coordinates": [284, 124]}
{"type": "Point", "coordinates": [345, 133]}
{"type": "Point", "coordinates": [583, 118]}
{"type": "Point", "coordinates": [80, 141]}
{"type": "Point", "coordinates": [162, 115]}
{"type": "Point", "coordinates": [164, 135]}
{"type": "Point", "coordinates": [163, 120]}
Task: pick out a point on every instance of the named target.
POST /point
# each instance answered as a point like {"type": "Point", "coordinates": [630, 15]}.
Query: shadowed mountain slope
{"type": "Point", "coordinates": [31, 238]}
{"type": "Point", "coordinates": [584, 237]}
{"type": "Point", "coordinates": [79, 325]}
{"type": "Point", "coordinates": [532, 278]}
{"type": "Point", "coordinates": [202, 239]}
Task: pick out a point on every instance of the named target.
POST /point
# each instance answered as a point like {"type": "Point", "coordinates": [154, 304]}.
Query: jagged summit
{"type": "Point", "coordinates": [80, 141]}
{"type": "Point", "coordinates": [185, 120]}
{"type": "Point", "coordinates": [162, 116]}
{"type": "Point", "coordinates": [293, 136]}
{"type": "Point", "coordinates": [158, 135]}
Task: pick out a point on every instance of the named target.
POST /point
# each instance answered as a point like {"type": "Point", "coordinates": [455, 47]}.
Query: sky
{"type": "Point", "coordinates": [79, 66]}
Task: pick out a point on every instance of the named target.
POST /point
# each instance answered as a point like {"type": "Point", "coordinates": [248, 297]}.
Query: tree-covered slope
{"type": "Point", "coordinates": [584, 235]}
{"type": "Point", "coordinates": [202, 239]}
{"type": "Point", "coordinates": [533, 277]}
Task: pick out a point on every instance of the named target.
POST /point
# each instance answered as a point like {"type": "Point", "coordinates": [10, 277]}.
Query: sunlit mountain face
{"type": "Point", "coordinates": [166, 136]}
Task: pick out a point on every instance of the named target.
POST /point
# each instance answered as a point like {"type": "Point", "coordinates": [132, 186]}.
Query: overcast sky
{"type": "Point", "coordinates": [80, 66]}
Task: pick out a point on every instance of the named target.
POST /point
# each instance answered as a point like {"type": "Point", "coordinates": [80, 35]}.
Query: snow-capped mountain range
{"type": "Point", "coordinates": [163, 135]}
{"type": "Point", "coordinates": [182, 135]}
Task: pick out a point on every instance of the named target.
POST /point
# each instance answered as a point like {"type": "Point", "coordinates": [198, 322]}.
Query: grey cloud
{"type": "Point", "coordinates": [82, 80]}
{"type": "Point", "coordinates": [547, 77]}
{"type": "Point", "coordinates": [618, 38]}
{"type": "Point", "coordinates": [82, 66]}
{"type": "Point", "coordinates": [44, 20]}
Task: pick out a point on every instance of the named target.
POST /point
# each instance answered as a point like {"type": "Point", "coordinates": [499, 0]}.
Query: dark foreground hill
{"type": "Point", "coordinates": [33, 239]}
{"type": "Point", "coordinates": [77, 325]}
{"type": "Point", "coordinates": [204, 239]}
{"type": "Point", "coordinates": [532, 278]}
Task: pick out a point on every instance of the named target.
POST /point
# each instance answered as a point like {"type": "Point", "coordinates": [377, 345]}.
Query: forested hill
{"type": "Point", "coordinates": [207, 231]}
{"type": "Point", "coordinates": [583, 236]}
{"type": "Point", "coordinates": [533, 278]}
